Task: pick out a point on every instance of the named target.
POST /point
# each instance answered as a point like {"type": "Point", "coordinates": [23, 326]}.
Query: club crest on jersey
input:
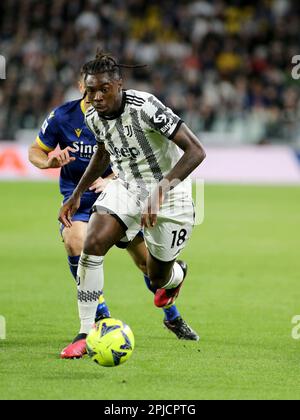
{"type": "Point", "coordinates": [128, 130]}
{"type": "Point", "coordinates": [78, 132]}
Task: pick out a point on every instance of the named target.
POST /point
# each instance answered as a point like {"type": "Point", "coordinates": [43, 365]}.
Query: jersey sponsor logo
{"type": "Point", "coordinates": [78, 132]}
{"type": "Point", "coordinates": [162, 121]}
{"type": "Point", "coordinates": [85, 150]}
{"type": "Point", "coordinates": [124, 152]}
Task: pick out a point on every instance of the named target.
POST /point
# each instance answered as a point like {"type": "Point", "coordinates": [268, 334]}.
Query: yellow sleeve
{"type": "Point", "coordinates": [43, 146]}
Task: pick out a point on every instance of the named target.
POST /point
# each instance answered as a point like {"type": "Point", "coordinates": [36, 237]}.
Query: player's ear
{"type": "Point", "coordinates": [81, 87]}
{"type": "Point", "coordinates": [120, 85]}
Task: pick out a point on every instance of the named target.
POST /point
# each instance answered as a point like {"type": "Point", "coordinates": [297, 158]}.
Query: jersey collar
{"type": "Point", "coordinates": [82, 106]}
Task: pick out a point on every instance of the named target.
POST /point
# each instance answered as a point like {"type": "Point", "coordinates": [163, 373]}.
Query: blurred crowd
{"type": "Point", "coordinates": [224, 66]}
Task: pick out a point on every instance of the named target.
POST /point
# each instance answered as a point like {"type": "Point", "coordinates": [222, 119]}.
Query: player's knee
{"type": "Point", "coordinates": [73, 250]}
{"type": "Point", "coordinates": [142, 265]}
{"type": "Point", "coordinates": [73, 245]}
{"type": "Point", "coordinates": [94, 245]}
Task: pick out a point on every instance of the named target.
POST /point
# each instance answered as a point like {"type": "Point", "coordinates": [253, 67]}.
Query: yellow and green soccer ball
{"type": "Point", "coordinates": [110, 343]}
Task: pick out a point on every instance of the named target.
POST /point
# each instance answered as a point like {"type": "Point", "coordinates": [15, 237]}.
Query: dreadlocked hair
{"type": "Point", "coordinates": [106, 63]}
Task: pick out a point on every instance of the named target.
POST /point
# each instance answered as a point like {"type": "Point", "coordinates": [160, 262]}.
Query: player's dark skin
{"type": "Point", "coordinates": [105, 93]}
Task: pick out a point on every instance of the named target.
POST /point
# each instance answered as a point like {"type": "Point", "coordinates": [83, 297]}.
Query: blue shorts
{"type": "Point", "coordinates": [85, 210]}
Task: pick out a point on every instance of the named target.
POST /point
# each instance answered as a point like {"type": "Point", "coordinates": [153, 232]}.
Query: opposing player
{"type": "Point", "coordinates": [66, 127]}
{"type": "Point", "coordinates": [142, 138]}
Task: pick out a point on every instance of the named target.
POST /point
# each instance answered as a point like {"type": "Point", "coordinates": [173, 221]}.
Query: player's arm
{"type": "Point", "coordinates": [42, 152]}
{"type": "Point", "coordinates": [193, 156]}
{"type": "Point", "coordinates": [98, 165]}
{"type": "Point", "coordinates": [40, 158]}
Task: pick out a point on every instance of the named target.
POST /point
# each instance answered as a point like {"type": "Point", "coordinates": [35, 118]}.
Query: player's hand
{"type": "Point", "coordinates": [61, 158]}
{"type": "Point", "coordinates": [99, 185]}
{"type": "Point", "coordinates": [153, 205]}
{"type": "Point", "coordinates": [68, 210]}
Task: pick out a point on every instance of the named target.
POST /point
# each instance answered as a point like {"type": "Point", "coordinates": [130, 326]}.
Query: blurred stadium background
{"type": "Point", "coordinates": [224, 66]}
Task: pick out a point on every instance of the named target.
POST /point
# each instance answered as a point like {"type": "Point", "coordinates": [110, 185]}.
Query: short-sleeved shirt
{"type": "Point", "coordinates": [64, 127]}
{"type": "Point", "coordinates": [139, 140]}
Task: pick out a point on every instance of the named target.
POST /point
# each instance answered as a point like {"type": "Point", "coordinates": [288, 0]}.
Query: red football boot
{"type": "Point", "coordinates": [167, 297]}
{"type": "Point", "coordinates": [76, 350]}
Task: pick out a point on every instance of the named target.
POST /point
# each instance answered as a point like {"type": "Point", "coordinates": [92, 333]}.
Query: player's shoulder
{"type": "Point", "coordinates": [68, 107]}
{"type": "Point", "coordinates": [146, 101]}
{"type": "Point", "coordinates": [64, 110]}
{"type": "Point", "coordinates": [137, 98]}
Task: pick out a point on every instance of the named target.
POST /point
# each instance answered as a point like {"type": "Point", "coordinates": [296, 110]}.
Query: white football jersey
{"type": "Point", "coordinates": [139, 140]}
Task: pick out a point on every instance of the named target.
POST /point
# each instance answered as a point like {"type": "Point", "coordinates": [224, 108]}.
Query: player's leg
{"type": "Point", "coordinates": [74, 238]}
{"type": "Point", "coordinates": [104, 231]}
{"type": "Point", "coordinates": [166, 276]}
{"type": "Point", "coordinates": [112, 220]}
{"type": "Point", "coordinates": [165, 242]}
{"type": "Point", "coordinates": [170, 274]}
{"type": "Point", "coordinates": [139, 253]}
{"type": "Point", "coordinates": [73, 241]}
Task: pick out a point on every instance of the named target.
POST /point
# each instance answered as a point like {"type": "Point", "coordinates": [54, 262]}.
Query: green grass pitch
{"type": "Point", "coordinates": [242, 292]}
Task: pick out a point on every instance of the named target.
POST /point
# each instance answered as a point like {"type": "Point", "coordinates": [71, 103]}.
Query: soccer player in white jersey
{"type": "Point", "coordinates": [66, 127]}
{"type": "Point", "coordinates": [142, 139]}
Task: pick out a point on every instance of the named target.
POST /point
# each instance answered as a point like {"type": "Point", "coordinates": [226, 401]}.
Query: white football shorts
{"type": "Point", "coordinates": [175, 221]}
